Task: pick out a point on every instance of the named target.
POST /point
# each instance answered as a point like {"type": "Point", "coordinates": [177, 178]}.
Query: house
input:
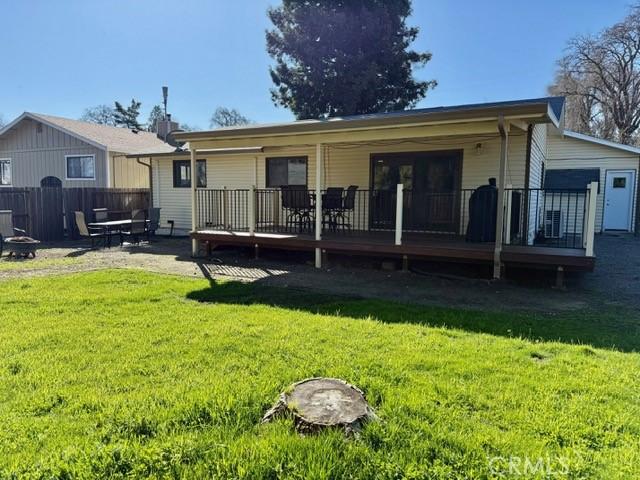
{"type": "Point", "coordinates": [574, 160]}
{"type": "Point", "coordinates": [43, 150]}
{"type": "Point", "coordinates": [419, 187]}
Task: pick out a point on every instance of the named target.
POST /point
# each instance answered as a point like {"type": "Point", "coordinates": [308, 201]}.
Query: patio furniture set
{"type": "Point", "coordinates": [337, 205]}
{"type": "Point", "coordinates": [141, 224]}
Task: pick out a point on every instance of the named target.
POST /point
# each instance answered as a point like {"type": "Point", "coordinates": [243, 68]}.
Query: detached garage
{"type": "Point", "coordinates": [574, 160]}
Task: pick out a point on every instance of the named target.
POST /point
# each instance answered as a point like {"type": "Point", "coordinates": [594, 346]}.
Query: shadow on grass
{"type": "Point", "coordinates": [610, 329]}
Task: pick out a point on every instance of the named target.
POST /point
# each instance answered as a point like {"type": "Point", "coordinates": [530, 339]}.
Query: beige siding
{"type": "Point", "coordinates": [127, 172]}
{"type": "Point", "coordinates": [344, 165]}
{"type": "Point", "coordinates": [538, 164]}
{"type": "Point", "coordinates": [37, 151]}
{"type": "Point", "coordinates": [565, 153]}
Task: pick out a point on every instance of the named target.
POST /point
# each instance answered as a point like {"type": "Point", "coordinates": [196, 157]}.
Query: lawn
{"type": "Point", "coordinates": [132, 374]}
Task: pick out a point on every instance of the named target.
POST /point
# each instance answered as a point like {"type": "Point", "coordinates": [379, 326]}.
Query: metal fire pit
{"type": "Point", "coordinates": [22, 246]}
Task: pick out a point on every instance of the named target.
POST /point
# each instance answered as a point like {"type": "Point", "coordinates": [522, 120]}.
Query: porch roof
{"type": "Point", "coordinates": [538, 110]}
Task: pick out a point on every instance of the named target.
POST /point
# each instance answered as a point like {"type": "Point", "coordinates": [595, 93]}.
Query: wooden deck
{"type": "Point", "coordinates": [422, 246]}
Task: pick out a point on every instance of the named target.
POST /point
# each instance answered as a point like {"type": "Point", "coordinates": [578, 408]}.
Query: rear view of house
{"type": "Point", "coordinates": [46, 151]}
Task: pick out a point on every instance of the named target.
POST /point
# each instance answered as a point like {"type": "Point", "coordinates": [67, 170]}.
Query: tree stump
{"type": "Point", "coordinates": [318, 403]}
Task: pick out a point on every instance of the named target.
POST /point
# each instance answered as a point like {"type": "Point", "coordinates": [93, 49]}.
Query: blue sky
{"type": "Point", "coordinates": [62, 56]}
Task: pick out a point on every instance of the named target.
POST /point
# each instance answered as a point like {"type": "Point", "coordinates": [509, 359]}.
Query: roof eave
{"type": "Point", "coordinates": [541, 111]}
{"type": "Point", "coordinates": [600, 141]}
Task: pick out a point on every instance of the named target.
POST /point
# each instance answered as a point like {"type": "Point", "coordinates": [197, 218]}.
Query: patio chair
{"type": "Point", "coordinates": [154, 220]}
{"type": "Point", "coordinates": [92, 233]}
{"type": "Point", "coordinates": [137, 229]}
{"type": "Point", "coordinates": [331, 204]}
{"type": "Point", "coordinates": [343, 215]}
{"type": "Point", "coordinates": [101, 214]}
{"type": "Point", "coordinates": [7, 230]}
{"type": "Point", "coordinates": [296, 201]}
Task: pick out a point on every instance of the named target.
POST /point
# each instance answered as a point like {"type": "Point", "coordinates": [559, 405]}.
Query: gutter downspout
{"type": "Point", "coordinates": [504, 143]}
{"type": "Point", "coordinates": [108, 164]}
{"type": "Point", "coordinates": [149, 166]}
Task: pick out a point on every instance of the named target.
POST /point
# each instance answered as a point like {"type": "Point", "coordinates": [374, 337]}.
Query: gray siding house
{"type": "Point", "coordinates": [43, 150]}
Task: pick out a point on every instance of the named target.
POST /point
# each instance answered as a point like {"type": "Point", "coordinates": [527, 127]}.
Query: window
{"type": "Point", "coordinates": [5, 171]}
{"type": "Point", "coordinates": [619, 182]}
{"type": "Point", "coordinates": [81, 167]}
{"type": "Point", "coordinates": [286, 171]}
{"type": "Point", "coordinates": [182, 173]}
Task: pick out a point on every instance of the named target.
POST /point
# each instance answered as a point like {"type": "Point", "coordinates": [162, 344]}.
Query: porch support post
{"type": "Point", "coordinates": [399, 205]}
{"type": "Point", "coordinates": [252, 210]}
{"type": "Point", "coordinates": [507, 227]}
{"type": "Point", "coordinates": [591, 218]}
{"type": "Point", "coordinates": [319, 168]}
{"type": "Point", "coordinates": [503, 128]}
{"type": "Point", "coordinates": [194, 202]}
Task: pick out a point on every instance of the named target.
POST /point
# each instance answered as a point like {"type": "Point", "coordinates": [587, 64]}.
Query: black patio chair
{"type": "Point", "coordinates": [137, 229]}
{"type": "Point", "coordinates": [100, 214]}
{"type": "Point", "coordinates": [7, 230]}
{"type": "Point", "coordinates": [298, 206]}
{"type": "Point", "coordinates": [154, 220]}
{"type": "Point", "coordinates": [331, 205]}
{"type": "Point", "coordinates": [343, 215]}
{"type": "Point", "coordinates": [92, 233]}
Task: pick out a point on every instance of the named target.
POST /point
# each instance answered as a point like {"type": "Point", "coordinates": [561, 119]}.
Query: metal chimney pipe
{"type": "Point", "coordinates": [165, 95]}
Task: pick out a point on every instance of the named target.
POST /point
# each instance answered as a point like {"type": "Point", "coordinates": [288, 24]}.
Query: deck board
{"type": "Point", "coordinates": [435, 247]}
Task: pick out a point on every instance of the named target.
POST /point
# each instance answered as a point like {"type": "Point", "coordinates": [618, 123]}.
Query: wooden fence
{"type": "Point", "coordinates": [48, 213]}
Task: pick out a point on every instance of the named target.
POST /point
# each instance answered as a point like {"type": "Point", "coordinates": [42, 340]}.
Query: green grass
{"type": "Point", "coordinates": [9, 264]}
{"type": "Point", "coordinates": [130, 374]}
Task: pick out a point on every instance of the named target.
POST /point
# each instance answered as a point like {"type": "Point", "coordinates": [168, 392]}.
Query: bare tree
{"type": "Point", "coordinates": [2, 121]}
{"type": "Point", "coordinates": [100, 114]}
{"type": "Point", "coordinates": [228, 117]}
{"type": "Point", "coordinates": [600, 75]}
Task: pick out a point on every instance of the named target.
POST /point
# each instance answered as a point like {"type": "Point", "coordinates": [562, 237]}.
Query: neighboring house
{"type": "Point", "coordinates": [574, 160]}
{"type": "Point", "coordinates": [43, 150]}
{"type": "Point", "coordinates": [417, 174]}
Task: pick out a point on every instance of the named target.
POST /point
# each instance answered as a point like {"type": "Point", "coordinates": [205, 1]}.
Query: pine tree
{"type": "Point", "coordinates": [344, 57]}
{"type": "Point", "coordinates": [128, 117]}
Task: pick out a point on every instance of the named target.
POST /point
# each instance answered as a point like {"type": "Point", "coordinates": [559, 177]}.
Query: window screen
{"type": "Point", "coordinates": [283, 171]}
{"type": "Point", "coordinates": [81, 167]}
{"type": "Point", "coordinates": [5, 172]}
{"type": "Point", "coordinates": [182, 173]}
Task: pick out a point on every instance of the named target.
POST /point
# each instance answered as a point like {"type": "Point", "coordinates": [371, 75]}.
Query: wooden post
{"type": "Point", "coordinates": [591, 218]}
{"type": "Point", "coordinates": [399, 209]}
{"type": "Point", "coordinates": [503, 128]}
{"type": "Point", "coordinates": [252, 210]}
{"type": "Point", "coordinates": [319, 167]}
{"type": "Point", "coordinates": [507, 227]}
{"type": "Point", "coordinates": [194, 202]}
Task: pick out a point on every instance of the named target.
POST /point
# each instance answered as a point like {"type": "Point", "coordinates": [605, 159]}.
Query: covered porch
{"type": "Point", "coordinates": [396, 188]}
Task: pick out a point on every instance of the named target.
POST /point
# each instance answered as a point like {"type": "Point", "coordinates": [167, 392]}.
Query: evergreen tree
{"type": "Point", "coordinates": [128, 117]}
{"type": "Point", "coordinates": [344, 57]}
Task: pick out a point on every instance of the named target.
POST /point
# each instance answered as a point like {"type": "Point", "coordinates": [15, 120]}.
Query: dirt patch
{"type": "Point", "coordinates": [434, 286]}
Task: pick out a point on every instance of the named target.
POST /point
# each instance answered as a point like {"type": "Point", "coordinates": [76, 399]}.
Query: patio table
{"type": "Point", "coordinates": [109, 225]}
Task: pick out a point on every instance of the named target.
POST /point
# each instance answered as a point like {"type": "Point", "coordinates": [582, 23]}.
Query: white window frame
{"type": "Point", "coordinates": [10, 172]}
{"type": "Point", "coordinates": [81, 179]}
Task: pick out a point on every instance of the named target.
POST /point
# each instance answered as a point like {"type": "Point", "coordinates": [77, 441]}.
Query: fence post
{"type": "Point", "coordinates": [591, 218]}
{"type": "Point", "coordinates": [252, 210]}
{"type": "Point", "coordinates": [399, 205]}
{"type": "Point", "coordinates": [508, 208]}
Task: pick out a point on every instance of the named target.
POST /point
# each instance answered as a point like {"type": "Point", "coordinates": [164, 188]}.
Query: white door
{"type": "Point", "coordinates": [618, 199]}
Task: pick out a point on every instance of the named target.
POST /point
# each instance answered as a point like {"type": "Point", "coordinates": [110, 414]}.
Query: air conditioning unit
{"type": "Point", "coordinates": [553, 224]}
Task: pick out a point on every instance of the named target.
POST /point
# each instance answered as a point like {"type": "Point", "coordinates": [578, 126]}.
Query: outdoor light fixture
{"type": "Point", "coordinates": [478, 148]}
